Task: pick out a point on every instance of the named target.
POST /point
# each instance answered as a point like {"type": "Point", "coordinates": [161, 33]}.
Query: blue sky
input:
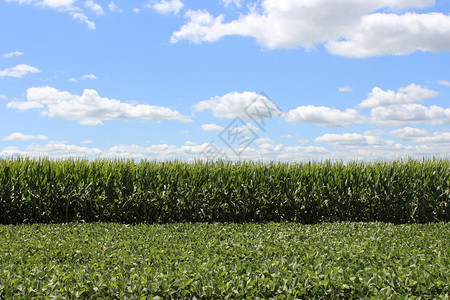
{"type": "Point", "coordinates": [288, 80]}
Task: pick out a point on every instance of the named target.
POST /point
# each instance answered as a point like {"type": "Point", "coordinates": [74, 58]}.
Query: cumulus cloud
{"type": "Point", "coordinates": [18, 71]}
{"type": "Point", "coordinates": [409, 133]}
{"type": "Point", "coordinates": [212, 127]}
{"type": "Point", "coordinates": [382, 34]}
{"type": "Point", "coordinates": [90, 108]}
{"type": "Point", "coordinates": [324, 116]}
{"type": "Point", "coordinates": [404, 114]}
{"type": "Point", "coordinates": [95, 7]}
{"type": "Point", "coordinates": [245, 105]}
{"type": "Point", "coordinates": [3, 97]}
{"type": "Point", "coordinates": [12, 54]}
{"type": "Point", "coordinates": [435, 138]}
{"type": "Point", "coordinates": [166, 7]}
{"type": "Point", "coordinates": [17, 136]}
{"type": "Point", "coordinates": [408, 94]}
{"type": "Point", "coordinates": [420, 136]}
{"type": "Point", "coordinates": [348, 27]}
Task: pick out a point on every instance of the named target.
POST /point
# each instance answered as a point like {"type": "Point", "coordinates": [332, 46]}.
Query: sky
{"type": "Point", "coordinates": [265, 80]}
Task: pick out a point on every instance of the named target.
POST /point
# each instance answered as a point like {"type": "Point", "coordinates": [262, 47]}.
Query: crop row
{"type": "Point", "coordinates": [54, 191]}
{"type": "Point", "coordinates": [225, 261]}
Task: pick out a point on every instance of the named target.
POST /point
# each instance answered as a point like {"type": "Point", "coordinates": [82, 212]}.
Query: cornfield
{"type": "Point", "coordinates": [125, 191]}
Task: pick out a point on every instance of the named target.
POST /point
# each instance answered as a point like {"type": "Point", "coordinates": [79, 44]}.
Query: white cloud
{"type": "Point", "coordinates": [382, 34]}
{"type": "Point", "coordinates": [17, 136]}
{"type": "Point", "coordinates": [236, 3]}
{"type": "Point", "coordinates": [302, 153]}
{"type": "Point", "coordinates": [83, 77]}
{"type": "Point", "coordinates": [264, 140]}
{"type": "Point", "coordinates": [113, 7]}
{"type": "Point", "coordinates": [84, 19]}
{"type": "Point", "coordinates": [212, 127]}
{"type": "Point", "coordinates": [3, 97]}
{"type": "Point", "coordinates": [421, 136]}
{"type": "Point", "coordinates": [136, 10]}
{"type": "Point", "coordinates": [166, 7]}
{"type": "Point", "coordinates": [349, 27]}
{"type": "Point", "coordinates": [350, 139]}
{"type": "Point", "coordinates": [12, 54]}
{"type": "Point", "coordinates": [95, 7]}
{"type": "Point", "coordinates": [246, 128]}
{"type": "Point", "coordinates": [404, 114]}
{"type": "Point", "coordinates": [66, 6]}
{"type": "Point", "coordinates": [408, 133]}
{"type": "Point", "coordinates": [87, 142]}
{"type": "Point", "coordinates": [61, 149]}
{"type": "Point", "coordinates": [90, 108]}
{"type": "Point", "coordinates": [444, 82]}
{"type": "Point", "coordinates": [408, 94]}
{"type": "Point", "coordinates": [356, 146]}
{"type": "Point", "coordinates": [22, 105]}
{"type": "Point", "coordinates": [345, 89]}
{"type": "Point", "coordinates": [52, 149]}
{"type": "Point", "coordinates": [18, 71]}
{"type": "Point", "coordinates": [161, 152]}
{"type": "Point", "coordinates": [56, 3]}
{"type": "Point", "coordinates": [434, 139]}
{"type": "Point", "coordinates": [245, 105]}
{"type": "Point", "coordinates": [347, 147]}
{"type": "Point", "coordinates": [375, 132]}
{"type": "Point", "coordinates": [324, 116]}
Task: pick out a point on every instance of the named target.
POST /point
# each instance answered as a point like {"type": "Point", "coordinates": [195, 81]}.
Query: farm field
{"type": "Point", "coordinates": [220, 260]}
{"type": "Point", "coordinates": [125, 191]}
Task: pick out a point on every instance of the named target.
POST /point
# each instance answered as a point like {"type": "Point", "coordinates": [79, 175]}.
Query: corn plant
{"type": "Point", "coordinates": [55, 191]}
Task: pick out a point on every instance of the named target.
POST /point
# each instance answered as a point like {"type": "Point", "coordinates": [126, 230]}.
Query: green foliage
{"type": "Point", "coordinates": [49, 191]}
{"type": "Point", "coordinates": [225, 261]}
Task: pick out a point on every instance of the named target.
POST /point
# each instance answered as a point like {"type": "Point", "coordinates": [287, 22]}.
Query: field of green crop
{"type": "Point", "coordinates": [213, 230]}
{"type": "Point", "coordinates": [234, 261]}
{"type": "Point", "coordinates": [49, 191]}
